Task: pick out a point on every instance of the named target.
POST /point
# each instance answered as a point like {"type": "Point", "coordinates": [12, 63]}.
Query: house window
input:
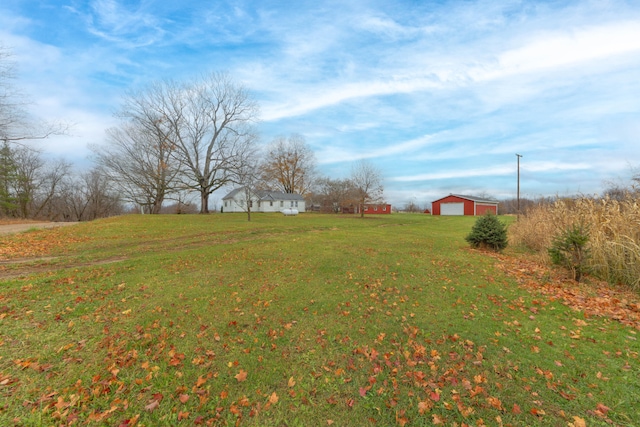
{"type": "Point", "coordinates": [250, 203]}
{"type": "Point", "coordinates": [292, 203]}
{"type": "Point", "coordinates": [271, 203]}
{"type": "Point", "coordinates": [258, 204]}
{"type": "Point", "coordinates": [296, 203]}
{"type": "Point", "coordinates": [375, 208]}
{"type": "Point", "coordinates": [281, 203]}
{"type": "Point", "coordinates": [225, 203]}
{"type": "Point", "coordinates": [384, 208]}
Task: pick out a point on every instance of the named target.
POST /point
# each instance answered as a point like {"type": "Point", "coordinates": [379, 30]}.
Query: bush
{"type": "Point", "coordinates": [614, 234]}
{"type": "Point", "coordinates": [488, 232]}
{"type": "Point", "coordinates": [569, 250]}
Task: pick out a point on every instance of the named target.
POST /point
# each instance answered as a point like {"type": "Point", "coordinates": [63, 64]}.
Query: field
{"type": "Point", "coordinates": [304, 321]}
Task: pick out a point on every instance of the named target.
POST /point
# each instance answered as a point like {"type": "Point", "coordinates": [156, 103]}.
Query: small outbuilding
{"type": "Point", "coordinates": [456, 204]}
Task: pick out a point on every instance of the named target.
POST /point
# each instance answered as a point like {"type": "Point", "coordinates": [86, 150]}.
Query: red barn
{"type": "Point", "coordinates": [377, 209]}
{"type": "Point", "coordinates": [455, 204]}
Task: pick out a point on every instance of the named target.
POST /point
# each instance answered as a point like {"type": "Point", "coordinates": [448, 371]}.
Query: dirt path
{"type": "Point", "coordinates": [20, 227]}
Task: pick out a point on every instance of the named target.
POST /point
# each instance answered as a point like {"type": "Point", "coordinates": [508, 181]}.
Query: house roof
{"type": "Point", "coordinates": [233, 193]}
{"type": "Point", "coordinates": [472, 198]}
{"type": "Point", "coordinates": [266, 195]}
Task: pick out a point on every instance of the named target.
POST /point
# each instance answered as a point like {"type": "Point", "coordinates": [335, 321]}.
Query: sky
{"type": "Point", "coordinates": [439, 95]}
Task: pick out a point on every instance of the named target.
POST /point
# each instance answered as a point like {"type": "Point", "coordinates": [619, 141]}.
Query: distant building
{"type": "Point", "coordinates": [262, 201]}
{"type": "Point", "coordinates": [377, 209]}
{"type": "Point", "coordinates": [456, 204]}
{"type": "Point", "coordinates": [372, 209]}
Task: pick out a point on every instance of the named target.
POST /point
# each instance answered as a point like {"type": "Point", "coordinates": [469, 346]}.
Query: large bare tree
{"type": "Point", "coordinates": [289, 165]}
{"type": "Point", "coordinates": [367, 180]}
{"type": "Point", "coordinates": [139, 160]}
{"type": "Point", "coordinates": [209, 122]}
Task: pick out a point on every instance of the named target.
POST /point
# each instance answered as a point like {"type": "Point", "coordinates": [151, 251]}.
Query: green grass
{"type": "Point", "coordinates": [384, 320]}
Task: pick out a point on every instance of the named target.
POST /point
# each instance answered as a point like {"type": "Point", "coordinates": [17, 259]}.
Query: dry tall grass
{"type": "Point", "coordinates": [614, 233]}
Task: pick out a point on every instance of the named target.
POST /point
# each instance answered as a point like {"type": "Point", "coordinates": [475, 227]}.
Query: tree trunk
{"type": "Point", "coordinates": [204, 202]}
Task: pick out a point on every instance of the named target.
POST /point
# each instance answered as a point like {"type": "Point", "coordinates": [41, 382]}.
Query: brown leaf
{"type": "Point", "coordinates": [495, 402]}
{"type": "Point", "coordinates": [424, 406]}
{"type": "Point", "coordinates": [152, 406]}
{"type": "Point", "coordinates": [578, 422]}
{"type": "Point", "coordinates": [183, 398]}
{"type": "Point", "coordinates": [242, 376]}
{"type": "Point", "coordinates": [273, 399]}
{"type": "Point", "coordinates": [602, 409]}
{"type": "Point", "coordinates": [537, 412]}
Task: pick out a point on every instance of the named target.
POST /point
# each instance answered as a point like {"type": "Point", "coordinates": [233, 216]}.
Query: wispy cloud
{"type": "Point", "coordinates": [114, 22]}
{"type": "Point", "coordinates": [439, 94]}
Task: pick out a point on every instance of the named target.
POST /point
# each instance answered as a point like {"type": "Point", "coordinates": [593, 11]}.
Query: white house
{"type": "Point", "coordinates": [262, 201]}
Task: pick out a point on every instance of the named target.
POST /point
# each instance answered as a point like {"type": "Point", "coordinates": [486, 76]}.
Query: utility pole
{"type": "Point", "coordinates": [518, 213]}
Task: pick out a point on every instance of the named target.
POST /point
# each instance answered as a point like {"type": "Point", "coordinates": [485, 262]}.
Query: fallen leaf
{"type": "Point", "coordinates": [152, 406]}
{"type": "Point", "coordinates": [242, 376]}
{"type": "Point", "coordinates": [578, 422]}
{"type": "Point", "coordinates": [183, 398]}
{"type": "Point", "coordinates": [495, 402]}
{"type": "Point", "coordinates": [273, 399]}
{"type": "Point", "coordinates": [537, 412]}
{"type": "Point", "coordinates": [424, 406]}
{"type": "Point", "coordinates": [602, 409]}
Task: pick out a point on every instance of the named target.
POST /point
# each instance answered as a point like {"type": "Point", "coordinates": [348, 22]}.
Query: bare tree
{"type": "Point", "coordinates": [367, 180]}
{"type": "Point", "coordinates": [412, 207]}
{"type": "Point", "coordinates": [289, 165]}
{"type": "Point", "coordinates": [50, 186]}
{"type": "Point", "coordinates": [98, 198]}
{"type": "Point", "coordinates": [247, 175]}
{"type": "Point", "coordinates": [333, 194]}
{"type": "Point", "coordinates": [140, 163]}
{"type": "Point", "coordinates": [208, 121]}
{"type": "Point", "coordinates": [15, 123]}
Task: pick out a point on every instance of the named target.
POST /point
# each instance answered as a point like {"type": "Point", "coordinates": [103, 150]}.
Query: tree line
{"type": "Point", "coordinates": [173, 139]}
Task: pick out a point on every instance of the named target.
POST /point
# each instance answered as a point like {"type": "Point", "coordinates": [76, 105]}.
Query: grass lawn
{"type": "Point", "coordinates": [299, 321]}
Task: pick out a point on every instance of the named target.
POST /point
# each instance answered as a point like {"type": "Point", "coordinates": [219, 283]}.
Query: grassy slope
{"type": "Point", "coordinates": [308, 320]}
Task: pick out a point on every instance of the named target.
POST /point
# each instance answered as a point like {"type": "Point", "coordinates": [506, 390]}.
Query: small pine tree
{"type": "Point", "coordinates": [488, 232]}
{"type": "Point", "coordinates": [569, 250]}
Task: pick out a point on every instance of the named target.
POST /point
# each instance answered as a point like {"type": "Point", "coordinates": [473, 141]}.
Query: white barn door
{"type": "Point", "coordinates": [451, 208]}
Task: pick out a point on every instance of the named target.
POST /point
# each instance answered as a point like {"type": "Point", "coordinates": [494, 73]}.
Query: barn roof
{"type": "Point", "coordinates": [472, 198]}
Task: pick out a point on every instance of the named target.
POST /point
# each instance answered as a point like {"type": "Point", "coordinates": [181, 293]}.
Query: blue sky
{"type": "Point", "coordinates": [440, 95]}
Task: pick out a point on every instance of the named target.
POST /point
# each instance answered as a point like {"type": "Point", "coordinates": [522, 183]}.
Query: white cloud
{"type": "Point", "coordinates": [490, 171]}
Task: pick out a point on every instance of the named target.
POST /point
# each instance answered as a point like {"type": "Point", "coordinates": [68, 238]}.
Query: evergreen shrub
{"type": "Point", "coordinates": [569, 250]}
{"type": "Point", "coordinates": [488, 232]}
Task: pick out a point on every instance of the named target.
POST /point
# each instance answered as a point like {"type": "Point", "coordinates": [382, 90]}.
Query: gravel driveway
{"type": "Point", "coordinates": [18, 228]}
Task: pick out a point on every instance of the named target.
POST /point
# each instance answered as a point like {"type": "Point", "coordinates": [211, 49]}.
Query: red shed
{"type": "Point", "coordinates": [377, 209]}
{"type": "Point", "coordinates": [456, 204]}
